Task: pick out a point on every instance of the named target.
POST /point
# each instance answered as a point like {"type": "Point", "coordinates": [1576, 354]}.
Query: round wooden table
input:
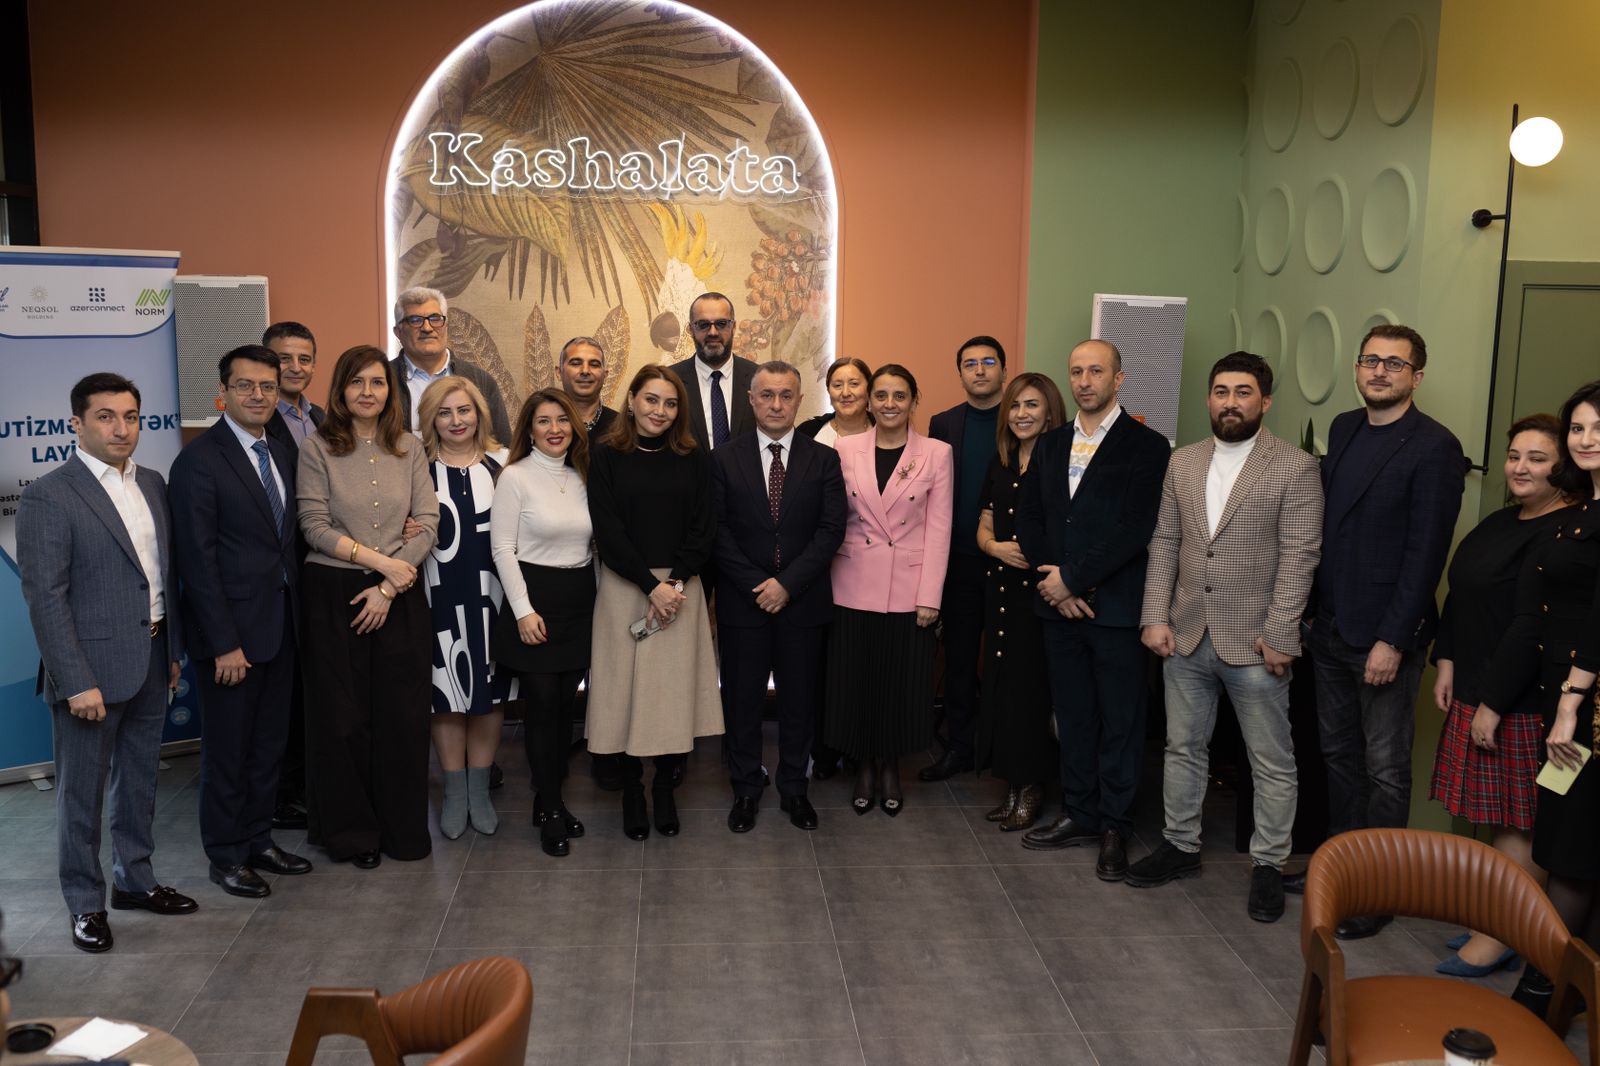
{"type": "Point", "coordinates": [159, 1048]}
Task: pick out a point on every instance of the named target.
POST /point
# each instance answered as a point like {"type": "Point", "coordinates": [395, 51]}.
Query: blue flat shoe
{"type": "Point", "coordinates": [1456, 967]}
{"type": "Point", "coordinates": [1456, 943]}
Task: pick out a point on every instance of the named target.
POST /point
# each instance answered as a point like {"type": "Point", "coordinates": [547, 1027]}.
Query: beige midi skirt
{"type": "Point", "coordinates": [652, 696]}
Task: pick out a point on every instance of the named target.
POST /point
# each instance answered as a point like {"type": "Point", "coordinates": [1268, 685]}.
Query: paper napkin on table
{"type": "Point", "coordinates": [98, 1039]}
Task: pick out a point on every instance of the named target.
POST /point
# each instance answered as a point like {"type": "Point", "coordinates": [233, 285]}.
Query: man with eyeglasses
{"type": "Point", "coordinates": [1393, 479]}
{"type": "Point", "coordinates": [296, 417]}
{"type": "Point", "coordinates": [235, 526]}
{"type": "Point", "coordinates": [421, 326]}
{"type": "Point", "coordinates": [717, 381]}
{"type": "Point", "coordinates": [969, 428]}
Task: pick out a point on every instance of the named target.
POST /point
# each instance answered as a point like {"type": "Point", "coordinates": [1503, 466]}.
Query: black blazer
{"type": "Point", "coordinates": [1382, 556]}
{"type": "Point", "coordinates": [950, 426]}
{"type": "Point", "coordinates": [808, 532]}
{"type": "Point", "coordinates": [741, 418]}
{"type": "Point", "coordinates": [278, 428]}
{"type": "Point", "coordinates": [232, 561]}
{"type": "Point", "coordinates": [1099, 537]}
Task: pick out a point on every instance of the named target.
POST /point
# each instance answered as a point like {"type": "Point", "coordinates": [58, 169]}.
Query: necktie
{"type": "Point", "coordinates": [719, 412]}
{"type": "Point", "coordinates": [265, 463]}
{"type": "Point", "coordinates": [775, 493]}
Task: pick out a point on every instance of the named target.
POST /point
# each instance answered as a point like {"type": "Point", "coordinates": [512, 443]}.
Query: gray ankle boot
{"type": "Point", "coordinates": [484, 819]}
{"type": "Point", "coordinates": [453, 812]}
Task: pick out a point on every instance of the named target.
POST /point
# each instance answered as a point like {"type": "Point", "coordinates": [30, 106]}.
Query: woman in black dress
{"type": "Point", "coordinates": [542, 541]}
{"type": "Point", "coordinates": [1550, 655]}
{"type": "Point", "coordinates": [1013, 737]}
{"type": "Point", "coordinates": [1493, 784]}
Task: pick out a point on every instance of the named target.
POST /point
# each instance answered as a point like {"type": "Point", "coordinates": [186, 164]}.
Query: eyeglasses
{"type": "Point", "coordinates": [10, 970]}
{"type": "Point", "coordinates": [988, 362]}
{"type": "Point", "coordinates": [701, 325]}
{"type": "Point", "coordinates": [1393, 364]}
{"type": "Point", "coordinates": [250, 388]}
{"type": "Point", "coordinates": [415, 321]}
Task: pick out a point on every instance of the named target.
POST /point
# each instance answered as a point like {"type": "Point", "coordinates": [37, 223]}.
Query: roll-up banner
{"type": "Point", "coordinates": [66, 313]}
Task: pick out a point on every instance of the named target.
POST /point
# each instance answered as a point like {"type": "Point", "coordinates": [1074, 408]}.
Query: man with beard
{"type": "Point", "coordinates": [1393, 479]}
{"type": "Point", "coordinates": [717, 381]}
{"type": "Point", "coordinates": [583, 375]}
{"type": "Point", "coordinates": [1231, 565]}
{"type": "Point", "coordinates": [1087, 511]}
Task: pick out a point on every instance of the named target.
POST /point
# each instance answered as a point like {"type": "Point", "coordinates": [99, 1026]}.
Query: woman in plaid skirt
{"type": "Point", "coordinates": [1493, 785]}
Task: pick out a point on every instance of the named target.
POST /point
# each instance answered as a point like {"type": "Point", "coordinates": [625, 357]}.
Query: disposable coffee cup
{"type": "Point", "coordinates": [1468, 1047]}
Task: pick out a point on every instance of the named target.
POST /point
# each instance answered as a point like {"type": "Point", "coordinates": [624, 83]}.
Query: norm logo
{"type": "Point", "coordinates": [153, 297]}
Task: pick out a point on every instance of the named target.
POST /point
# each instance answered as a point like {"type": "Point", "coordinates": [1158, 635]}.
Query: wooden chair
{"type": "Point", "coordinates": [474, 1014]}
{"type": "Point", "coordinates": [1448, 879]}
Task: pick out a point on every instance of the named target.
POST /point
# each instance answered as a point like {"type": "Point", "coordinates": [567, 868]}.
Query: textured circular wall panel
{"type": "Point", "coordinates": [1286, 11]}
{"type": "Point", "coordinates": [1246, 102]}
{"type": "Point", "coordinates": [1401, 69]}
{"type": "Point", "coordinates": [1337, 85]}
{"type": "Point", "coordinates": [1381, 317]}
{"type": "Point", "coordinates": [1388, 218]}
{"type": "Point", "coordinates": [1268, 337]}
{"type": "Point", "coordinates": [1237, 329]}
{"type": "Point", "coordinates": [1316, 353]}
{"type": "Point", "coordinates": [1280, 105]}
{"type": "Point", "coordinates": [1274, 229]}
{"type": "Point", "coordinates": [1327, 223]}
{"type": "Point", "coordinates": [1243, 222]}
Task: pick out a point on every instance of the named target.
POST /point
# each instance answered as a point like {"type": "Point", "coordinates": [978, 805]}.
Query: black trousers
{"type": "Point", "coordinates": [961, 615]}
{"type": "Point", "coordinates": [292, 771]}
{"type": "Point", "coordinates": [790, 655]}
{"type": "Point", "coordinates": [1098, 693]}
{"type": "Point", "coordinates": [245, 729]}
{"type": "Point", "coordinates": [368, 700]}
{"type": "Point", "coordinates": [547, 730]}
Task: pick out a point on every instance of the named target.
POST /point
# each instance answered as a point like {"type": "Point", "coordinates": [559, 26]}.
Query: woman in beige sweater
{"type": "Point", "coordinates": [365, 628]}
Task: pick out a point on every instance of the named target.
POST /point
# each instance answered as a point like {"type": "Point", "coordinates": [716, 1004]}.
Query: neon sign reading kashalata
{"type": "Point", "coordinates": [578, 166]}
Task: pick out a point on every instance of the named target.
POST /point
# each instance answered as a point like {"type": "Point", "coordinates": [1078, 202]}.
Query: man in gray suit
{"type": "Point", "coordinates": [94, 545]}
{"type": "Point", "coordinates": [421, 326]}
{"type": "Point", "coordinates": [1235, 548]}
{"type": "Point", "coordinates": [717, 381]}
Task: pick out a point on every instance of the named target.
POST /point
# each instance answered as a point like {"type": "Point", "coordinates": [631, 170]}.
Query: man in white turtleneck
{"type": "Point", "coordinates": [1235, 549]}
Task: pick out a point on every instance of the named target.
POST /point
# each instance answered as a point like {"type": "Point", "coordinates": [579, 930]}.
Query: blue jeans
{"type": "Point", "coordinates": [1261, 702]}
{"type": "Point", "coordinates": [1366, 732]}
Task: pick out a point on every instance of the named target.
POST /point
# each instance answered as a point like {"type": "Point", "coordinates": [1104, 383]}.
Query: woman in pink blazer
{"type": "Point", "coordinates": [887, 580]}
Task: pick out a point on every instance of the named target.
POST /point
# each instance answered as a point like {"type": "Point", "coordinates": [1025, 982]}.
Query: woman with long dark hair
{"type": "Point", "coordinates": [365, 622]}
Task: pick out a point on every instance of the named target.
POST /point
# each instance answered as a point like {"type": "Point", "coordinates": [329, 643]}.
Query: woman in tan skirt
{"type": "Point", "coordinates": [652, 672]}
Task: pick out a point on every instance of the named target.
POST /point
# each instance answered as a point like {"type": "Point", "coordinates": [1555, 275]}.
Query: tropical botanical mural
{"type": "Point", "coordinates": [587, 167]}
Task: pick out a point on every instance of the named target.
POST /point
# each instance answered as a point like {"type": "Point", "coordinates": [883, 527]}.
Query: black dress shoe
{"type": "Point", "coordinates": [635, 815]}
{"type": "Point", "coordinates": [568, 819]}
{"type": "Point", "coordinates": [553, 838]}
{"type": "Point", "coordinates": [1167, 863]}
{"type": "Point", "coordinates": [1295, 884]}
{"type": "Point", "coordinates": [159, 900]}
{"type": "Point", "coordinates": [367, 860]}
{"type": "Point", "coordinates": [948, 766]}
{"type": "Point", "coordinates": [275, 860]}
{"type": "Point", "coordinates": [240, 881]}
{"type": "Point", "coordinates": [1265, 903]}
{"type": "Point", "coordinates": [1113, 862]}
{"type": "Point", "coordinates": [666, 812]}
{"type": "Point", "coordinates": [1361, 926]}
{"type": "Point", "coordinates": [742, 818]}
{"type": "Point", "coordinates": [288, 816]}
{"type": "Point", "coordinates": [91, 932]}
{"type": "Point", "coordinates": [1061, 833]}
{"type": "Point", "coordinates": [801, 814]}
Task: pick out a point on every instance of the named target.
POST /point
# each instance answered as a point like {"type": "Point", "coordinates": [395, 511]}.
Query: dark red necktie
{"type": "Point", "coordinates": [775, 493]}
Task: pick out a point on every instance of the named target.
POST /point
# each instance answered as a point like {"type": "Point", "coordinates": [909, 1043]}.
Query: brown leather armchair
{"type": "Point", "coordinates": [1451, 879]}
{"type": "Point", "coordinates": [474, 1014]}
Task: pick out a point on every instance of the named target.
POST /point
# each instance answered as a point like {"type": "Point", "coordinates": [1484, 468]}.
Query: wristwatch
{"type": "Point", "coordinates": [677, 584]}
{"type": "Point", "coordinates": [1569, 689]}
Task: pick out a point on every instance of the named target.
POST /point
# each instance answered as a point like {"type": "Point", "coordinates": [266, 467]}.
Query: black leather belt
{"type": "Point", "coordinates": [158, 627]}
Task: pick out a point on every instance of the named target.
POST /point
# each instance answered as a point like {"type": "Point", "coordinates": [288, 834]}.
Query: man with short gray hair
{"type": "Point", "coordinates": [420, 325]}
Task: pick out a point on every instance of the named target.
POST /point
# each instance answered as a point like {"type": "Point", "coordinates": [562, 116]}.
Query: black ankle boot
{"type": "Point", "coordinates": [1534, 990]}
{"type": "Point", "coordinates": [553, 838]}
{"type": "Point", "coordinates": [635, 816]}
{"type": "Point", "coordinates": [666, 812]}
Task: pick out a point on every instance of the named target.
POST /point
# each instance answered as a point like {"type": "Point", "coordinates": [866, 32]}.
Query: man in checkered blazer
{"type": "Point", "coordinates": [1231, 564]}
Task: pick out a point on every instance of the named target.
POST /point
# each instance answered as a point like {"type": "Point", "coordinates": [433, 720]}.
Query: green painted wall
{"type": "Point", "coordinates": [1136, 166]}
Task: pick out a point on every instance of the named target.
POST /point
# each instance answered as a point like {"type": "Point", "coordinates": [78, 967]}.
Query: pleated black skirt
{"type": "Point", "coordinates": [878, 699]}
{"type": "Point", "coordinates": [564, 598]}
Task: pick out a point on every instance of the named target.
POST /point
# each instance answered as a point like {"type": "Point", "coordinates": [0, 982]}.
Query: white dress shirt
{"type": "Point", "coordinates": [248, 443]}
{"type": "Point", "coordinates": [785, 443]}
{"type": "Point", "coordinates": [1084, 445]}
{"type": "Point", "coordinates": [134, 509]}
{"type": "Point", "coordinates": [1227, 459]}
{"type": "Point", "coordinates": [703, 372]}
{"type": "Point", "coordinates": [540, 516]}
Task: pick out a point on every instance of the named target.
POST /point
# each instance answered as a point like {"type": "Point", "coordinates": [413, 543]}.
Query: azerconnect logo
{"type": "Point", "coordinates": [152, 301]}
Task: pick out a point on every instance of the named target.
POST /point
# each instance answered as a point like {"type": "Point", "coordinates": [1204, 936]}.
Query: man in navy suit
{"type": "Point", "coordinates": [1085, 519]}
{"type": "Point", "coordinates": [233, 495]}
{"type": "Point", "coordinates": [94, 547]}
{"type": "Point", "coordinates": [781, 512]}
{"type": "Point", "coordinates": [1393, 479]}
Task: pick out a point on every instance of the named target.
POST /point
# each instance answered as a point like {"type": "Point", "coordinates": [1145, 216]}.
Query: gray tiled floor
{"type": "Point", "coordinates": [929, 938]}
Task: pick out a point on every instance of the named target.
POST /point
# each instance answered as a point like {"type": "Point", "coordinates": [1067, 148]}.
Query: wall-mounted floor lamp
{"type": "Point", "coordinates": [1533, 144]}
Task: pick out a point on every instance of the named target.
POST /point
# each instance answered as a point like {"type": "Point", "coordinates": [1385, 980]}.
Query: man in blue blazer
{"type": "Point", "coordinates": [235, 524]}
{"type": "Point", "coordinates": [1087, 513]}
{"type": "Point", "coordinates": [1393, 479]}
{"type": "Point", "coordinates": [781, 515]}
{"type": "Point", "coordinates": [94, 547]}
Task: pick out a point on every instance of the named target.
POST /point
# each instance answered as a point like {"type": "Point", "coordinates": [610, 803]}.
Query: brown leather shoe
{"type": "Point", "coordinates": [1026, 812]}
{"type": "Point", "coordinates": [1007, 805]}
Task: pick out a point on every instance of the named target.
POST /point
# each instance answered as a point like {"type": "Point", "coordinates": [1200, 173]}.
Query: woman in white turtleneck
{"type": "Point", "coordinates": [542, 542]}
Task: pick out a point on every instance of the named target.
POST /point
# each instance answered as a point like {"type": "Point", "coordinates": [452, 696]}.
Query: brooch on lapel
{"type": "Point", "coordinates": [905, 471]}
